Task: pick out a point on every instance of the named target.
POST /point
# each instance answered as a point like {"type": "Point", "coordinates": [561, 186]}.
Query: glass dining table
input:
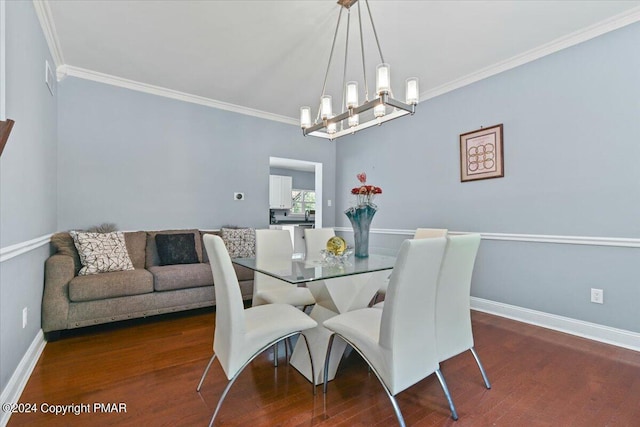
{"type": "Point", "coordinates": [338, 287]}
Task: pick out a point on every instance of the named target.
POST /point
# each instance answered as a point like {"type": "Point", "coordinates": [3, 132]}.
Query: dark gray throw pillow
{"type": "Point", "coordinates": [176, 249]}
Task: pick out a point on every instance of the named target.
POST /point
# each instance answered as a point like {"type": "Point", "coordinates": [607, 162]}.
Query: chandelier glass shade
{"type": "Point", "coordinates": [381, 108]}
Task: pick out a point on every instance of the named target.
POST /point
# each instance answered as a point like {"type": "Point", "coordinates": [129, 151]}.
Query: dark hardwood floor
{"type": "Point", "coordinates": [539, 378]}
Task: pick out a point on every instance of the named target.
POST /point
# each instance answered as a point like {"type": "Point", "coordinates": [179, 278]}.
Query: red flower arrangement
{"type": "Point", "coordinates": [365, 193]}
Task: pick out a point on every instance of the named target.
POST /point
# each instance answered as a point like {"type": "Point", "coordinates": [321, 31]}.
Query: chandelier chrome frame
{"type": "Point", "coordinates": [327, 125]}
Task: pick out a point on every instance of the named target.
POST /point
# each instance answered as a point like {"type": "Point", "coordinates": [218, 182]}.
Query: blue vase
{"type": "Point", "coordinates": [361, 217]}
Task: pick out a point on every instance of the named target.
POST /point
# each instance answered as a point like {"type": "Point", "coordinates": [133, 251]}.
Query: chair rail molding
{"type": "Point", "coordinates": [621, 242]}
{"type": "Point", "coordinates": [12, 251]}
{"type": "Point", "coordinates": [618, 337]}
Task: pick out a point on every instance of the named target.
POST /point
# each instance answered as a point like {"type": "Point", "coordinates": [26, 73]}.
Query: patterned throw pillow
{"type": "Point", "coordinates": [101, 252]}
{"type": "Point", "coordinates": [240, 242]}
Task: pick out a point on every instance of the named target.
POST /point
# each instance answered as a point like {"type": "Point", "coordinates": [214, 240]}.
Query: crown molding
{"type": "Point", "coordinates": [68, 70]}
{"type": "Point", "coordinates": [618, 21]}
{"type": "Point", "coordinates": [43, 11]}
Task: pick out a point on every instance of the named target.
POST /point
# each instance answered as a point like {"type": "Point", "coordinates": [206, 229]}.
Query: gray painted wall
{"type": "Point", "coordinates": [27, 182]}
{"type": "Point", "coordinates": [301, 180]}
{"type": "Point", "coordinates": [571, 143]}
{"type": "Point", "coordinates": [146, 162]}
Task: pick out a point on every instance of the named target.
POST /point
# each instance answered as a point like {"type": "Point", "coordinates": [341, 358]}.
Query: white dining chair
{"type": "Point", "coordinates": [273, 249]}
{"type": "Point", "coordinates": [243, 334]}
{"type": "Point", "coordinates": [427, 233]}
{"type": "Point", "coordinates": [386, 338]}
{"type": "Point", "coordinates": [333, 296]}
{"type": "Point", "coordinates": [315, 239]}
{"type": "Point", "coordinates": [420, 233]}
{"type": "Point", "coordinates": [454, 334]}
{"type": "Point", "coordinates": [341, 287]}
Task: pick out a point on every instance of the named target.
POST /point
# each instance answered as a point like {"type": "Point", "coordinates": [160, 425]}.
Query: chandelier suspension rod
{"type": "Point", "coordinates": [375, 33]}
{"type": "Point", "coordinates": [364, 67]}
{"type": "Point", "coordinates": [344, 71]}
{"type": "Point", "coordinates": [326, 74]}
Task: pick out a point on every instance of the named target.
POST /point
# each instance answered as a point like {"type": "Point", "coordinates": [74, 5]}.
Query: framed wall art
{"type": "Point", "coordinates": [481, 154]}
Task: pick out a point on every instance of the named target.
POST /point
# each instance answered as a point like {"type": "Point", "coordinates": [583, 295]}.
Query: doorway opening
{"type": "Point", "coordinates": [304, 166]}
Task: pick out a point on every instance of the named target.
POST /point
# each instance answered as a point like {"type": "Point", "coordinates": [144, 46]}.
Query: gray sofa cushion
{"type": "Point", "coordinates": [181, 276]}
{"type": "Point", "coordinates": [63, 244]}
{"type": "Point", "coordinates": [205, 256]}
{"type": "Point", "coordinates": [110, 285]}
{"type": "Point", "coordinates": [243, 273]}
{"type": "Point", "coordinates": [136, 242]}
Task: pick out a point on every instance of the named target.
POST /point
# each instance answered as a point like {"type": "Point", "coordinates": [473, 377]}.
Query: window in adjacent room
{"type": "Point", "coordinates": [302, 200]}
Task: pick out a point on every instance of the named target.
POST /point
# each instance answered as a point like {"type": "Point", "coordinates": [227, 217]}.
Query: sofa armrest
{"type": "Point", "coordinates": [58, 272]}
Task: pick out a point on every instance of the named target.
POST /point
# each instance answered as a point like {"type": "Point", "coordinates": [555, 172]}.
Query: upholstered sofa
{"type": "Point", "coordinates": [73, 301]}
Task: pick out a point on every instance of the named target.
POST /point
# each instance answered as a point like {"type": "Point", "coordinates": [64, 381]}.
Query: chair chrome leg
{"type": "Point", "coordinates": [375, 299]}
{"type": "Point", "coordinates": [394, 403]}
{"type": "Point", "coordinates": [275, 355]}
{"type": "Point", "coordinates": [313, 371]}
{"type": "Point", "coordinates": [443, 383]}
{"type": "Point", "coordinates": [233, 379]}
{"type": "Point", "coordinates": [224, 394]}
{"type": "Point", "coordinates": [204, 374]}
{"type": "Point", "coordinates": [326, 364]}
{"type": "Point", "coordinates": [484, 374]}
{"type": "Point", "coordinates": [396, 408]}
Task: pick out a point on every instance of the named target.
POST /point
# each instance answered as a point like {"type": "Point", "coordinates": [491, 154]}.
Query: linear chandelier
{"type": "Point", "coordinates": [382, 108]}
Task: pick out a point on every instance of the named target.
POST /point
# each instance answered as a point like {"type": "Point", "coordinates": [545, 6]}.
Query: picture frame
{"type": "Point", "coordinates": [481, 154]}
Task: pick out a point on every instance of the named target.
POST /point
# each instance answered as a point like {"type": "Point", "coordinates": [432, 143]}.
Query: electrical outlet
{"type": "Point", "coordinates": [238, 196]}
{"type": "Point", "coordinates": [329, 202]}
{"type": "Point", "coordinates": [597, 296]}
{"type": "Point", "coordinates": [24, 317]}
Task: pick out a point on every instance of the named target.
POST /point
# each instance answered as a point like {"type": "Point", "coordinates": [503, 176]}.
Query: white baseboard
{"type": "Point", "coordinates": [592, 331]}
{"type": "Point", "coordinates": [17, 382]}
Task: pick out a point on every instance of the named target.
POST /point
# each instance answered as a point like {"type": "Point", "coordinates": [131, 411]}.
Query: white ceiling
{"type": "Point", "coordinates": [271, 56]}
